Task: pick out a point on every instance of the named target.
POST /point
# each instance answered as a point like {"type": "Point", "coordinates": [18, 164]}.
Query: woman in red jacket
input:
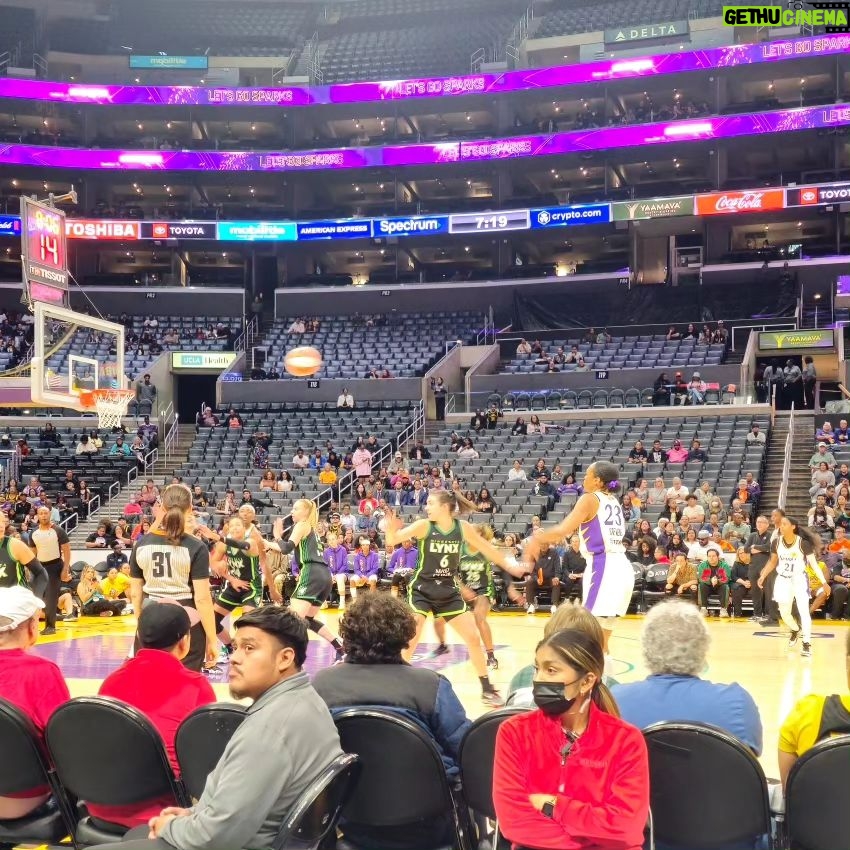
{"type": "Point", "coordinates": [571, 775]}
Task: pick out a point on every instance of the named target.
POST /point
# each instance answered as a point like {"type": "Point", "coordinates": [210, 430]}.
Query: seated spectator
{"type": "Point", "coordinates": [678, 491]}
{"type": "Point", "coordinates": [677, 454]}
{"type": "Point", "coordinates": [713, 578]}
{"type": "Point", "coordinates": [493, 415]}
{"type": "Point", "coordinates": [520, 427]}
{"type": "Point", "coordinates": [524, 348]}
{"type": "Point", "coordinates": [740, 583]}
{"type": "Point", "coordinates": [825, 434]}
{"type": "Point", "coordinates": [478, 422]}
{"type": "Point", "coordinates": [542, 487]}
{"type": "Point", "coordinates": [569, 486]}
{"type": "Point", "coordinates": [375, 630]}
{"type": "Point", "coordinates": [467, 450]}
{"type": "Point", "coordinates": [48, 437]}
{"type": "Point", "coordinates": [367, 565]}
{"type": "Point", "coordinates": [484, 503]}
{"type": "Point", "coordinates": [516, 472]}
{"type": "Point", "coordinates": [822, 477]}
{"type": "Point", "coordinates": [631, 509]}
{"type": "Point", "coordinates": [93, 600]}
{"type": "Point", "coordinates": [657, 453]}
{"type": "Point", "coordinates": [821, 518]}
{"type": "Point", "coordinates": [756, 436]}
{"type": "Point", "coordinates": [697, 389]}
{"type": "Point", "coordinates": [814, 718]}
{"type": "Point", "coordinates": [120, 448]}
{"type": "Point", "coordinates": [638, 454]}
{"type": "Point", "coordinates": [682, 577]}
{"type": "Point", "coordinates": [163, 632]}
{"type": "Point", "coordinates": [657, 494]}
{"type": "Point", "coordinates": [546, 573]}
{"type": "Point", "coordinates": [327, 477]}
{"type": "Point", "coordinates": [605, 808]}
{"type": "Point", "coordinates": [99, 539]}
{"type": "Point", "coordinates": [822, 455]}
{"type": "Point", "coordinates": [842, 432]}
{"type": "Point", "coordinates": [268, 481]}
{"type": "Point", "coordinates": [535, 426]}
{"type": "Point", "coordinates": [673, 334]}
{"type": "Point", "coordinates": [234, 420]}
{"type": "Point", "coordinates": [116, 585]}
{"type": "Point", "coordinates": [30, 682]}
{"type": "Point", "coordinates": [697, 454]}
{"type": "Point", "coordinates": [85, 446]}
{"type": "Point", "coordinates": [737, 531]}
{"type": "Point", "coordinates": [640, 493]}
{"type": "Point", "coordinates": [693, 510]}
{"type": "Point", "coordinates": [675, 642]}
{"type": "Point", "coordinates": [661, 390]}
{"type": "Point", "coordinates": [207, 419]}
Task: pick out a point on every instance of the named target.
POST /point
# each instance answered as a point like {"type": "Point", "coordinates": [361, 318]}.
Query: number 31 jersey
{"type": "Point", "coordinates": [603, 535]}
{"type": "Point", "coordinates": [168, 569]}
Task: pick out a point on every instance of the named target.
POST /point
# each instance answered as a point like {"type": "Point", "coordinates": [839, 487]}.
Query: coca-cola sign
{"type": "Point", "coordinates": [726, 203]}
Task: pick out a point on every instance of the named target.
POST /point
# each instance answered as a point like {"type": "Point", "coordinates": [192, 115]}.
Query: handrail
{"type": "Point", "coordinates": [782, 326]}
{"type": "Point", "coordinates": [94, 500]}
{"type": "Point", "coordinates": [786, 466]}
{"type": "Point", "coordinates": [66, 523]}
{"type": "Point", "coordinates": [150, 460]}
{"type": "Point", "coordinates": [171, 440]}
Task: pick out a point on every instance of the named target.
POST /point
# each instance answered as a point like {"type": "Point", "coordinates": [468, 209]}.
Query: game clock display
{"type": "Point", "coordinates": [489, 222]}
{"type": "Point", "coordinates": [44, 251]}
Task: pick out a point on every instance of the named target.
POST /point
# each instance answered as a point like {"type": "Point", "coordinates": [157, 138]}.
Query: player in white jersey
{"type": "Point", "coordinates": [790, 551]}
{"type": "Point", "coordinates": [609, 578]}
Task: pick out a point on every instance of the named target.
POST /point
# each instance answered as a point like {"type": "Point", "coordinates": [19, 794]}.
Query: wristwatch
{"type": "Point", "coordinates": [548, 809]}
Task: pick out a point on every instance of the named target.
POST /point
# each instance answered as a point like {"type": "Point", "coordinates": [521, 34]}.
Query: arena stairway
{"type": "Point", "coordinates": [799, 480]}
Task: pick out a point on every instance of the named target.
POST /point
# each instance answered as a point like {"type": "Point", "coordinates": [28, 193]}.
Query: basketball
{"type": "Point", "coordinates": [303, 361]}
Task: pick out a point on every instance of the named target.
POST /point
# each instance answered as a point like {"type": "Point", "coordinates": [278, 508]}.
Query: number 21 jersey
{"type": "Point", "coordinates": [603, 535]}
{"type": "Point", "coordinates": [168, 569]}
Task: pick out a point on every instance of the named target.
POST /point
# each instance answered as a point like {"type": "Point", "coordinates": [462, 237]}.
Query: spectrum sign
{"type": "Point", "coordinates": [528, 79]}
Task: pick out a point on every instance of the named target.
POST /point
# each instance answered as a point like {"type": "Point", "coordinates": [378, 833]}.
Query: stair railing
{"type": "Point", "coordinates": [786, 466]}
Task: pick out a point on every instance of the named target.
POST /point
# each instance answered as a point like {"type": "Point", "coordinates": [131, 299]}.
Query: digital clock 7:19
{"type": "Point", "coordinates": [489, 222]}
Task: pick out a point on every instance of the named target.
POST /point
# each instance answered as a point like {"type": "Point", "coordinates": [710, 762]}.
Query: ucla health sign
{"type": "Point", "coordinates": [202, 359]}
{"type": "Point", "coordinates": [570, 216]}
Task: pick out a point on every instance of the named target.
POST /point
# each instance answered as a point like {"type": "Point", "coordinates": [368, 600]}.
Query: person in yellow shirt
{"type": "Point", "coordinates": [819, 590]}
{"type": "Point", "coordinates": [814, 718]}
{"type": "Point", "coordinates": [115, 585]}
{"type": "Point", "coordinates": [327, 476]}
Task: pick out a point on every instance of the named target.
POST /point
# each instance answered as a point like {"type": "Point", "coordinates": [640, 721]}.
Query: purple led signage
{"type": "Point", "coordinates": [483, 150]}
{"type": "Point", "coordinates": [430, 87]}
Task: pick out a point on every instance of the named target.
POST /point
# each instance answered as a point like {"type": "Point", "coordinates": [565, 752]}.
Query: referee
{"type": "Point", "coordinates": [53, 549]}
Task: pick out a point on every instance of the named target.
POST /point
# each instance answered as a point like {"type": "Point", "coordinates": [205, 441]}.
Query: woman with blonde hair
{"type": "Point", "coordinates": [601, 799]}
{"type": "Point", "coordinates": [314, 577]}
{"type": "Point", "coordinates": [169, 564]}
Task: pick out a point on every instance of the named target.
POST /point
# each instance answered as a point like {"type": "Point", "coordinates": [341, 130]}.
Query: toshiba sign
{"type": "Point", "coordinates": [725, 203]}
{"type": "Point", "coordinates": [97, 229]}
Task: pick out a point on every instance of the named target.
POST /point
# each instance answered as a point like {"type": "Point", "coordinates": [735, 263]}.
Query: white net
{"type": "Point", "coordinates": [111, 406]}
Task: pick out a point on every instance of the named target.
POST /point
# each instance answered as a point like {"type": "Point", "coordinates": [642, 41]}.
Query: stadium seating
{"type": "Point", "coordinates": [407, 345]}
{"type": "Point", "coordinates": [575, 17]}
{"type": "Point", "coordinates": [641, 352]}
{"type": "Point", "coordinates": [220, 458]}
{"type": "Point", "coordinates": [17, 31]}
{"type": "Point", "coordinates": [579, 442]}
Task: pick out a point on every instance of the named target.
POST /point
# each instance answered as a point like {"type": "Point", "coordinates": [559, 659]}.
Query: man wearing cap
{"type": "Point", "coordinates": [677, 454]}
{"type": "Point", "coordinates": [30, 682]}
{"type": "Point", "coordinates": [822, 455]}
{"type": "Point", "coordinates": [756, 436]}
{"type": "Point", "coordinates": [698, 552]}
{"type": "Point", "coordinates": [143, 680]}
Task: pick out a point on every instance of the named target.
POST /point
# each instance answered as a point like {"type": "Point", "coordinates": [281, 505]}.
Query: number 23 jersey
{"type": "Point", "coordinates": [168, 570]}
{"type": "Point", "coordinates": [603, 535]}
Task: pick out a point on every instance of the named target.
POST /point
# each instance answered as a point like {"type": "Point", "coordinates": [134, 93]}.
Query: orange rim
{"type": "Point", "coordinates": [88, 399]}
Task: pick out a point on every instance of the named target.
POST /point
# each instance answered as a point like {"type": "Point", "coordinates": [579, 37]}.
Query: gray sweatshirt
{"type": "Point", "coordinates": [286, 740]}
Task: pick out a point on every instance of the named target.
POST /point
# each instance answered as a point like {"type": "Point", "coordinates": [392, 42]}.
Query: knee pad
{"type": "Point", "coordinates": [313, 624]}
{"type": "Point", "coordinates": [219, 619]}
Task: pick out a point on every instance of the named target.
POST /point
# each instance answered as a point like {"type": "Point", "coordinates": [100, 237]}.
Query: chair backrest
{"type": "Point", "coordinates": [201, 739]}
{"type": "Point", "coordinates": [399, 758]}
{"type": "Point", "coordinates": [817, 794]}
{"type": "Point", "coordinates": [109, 753]}
{"type": "Point", "coordinates": [317, 811]}
{"type": "Point", "coordinates": [477, 752]}
{"type": "Point", "coordinates": [709, 764]}
{"type": "Point", "coordinates": [24, 765]}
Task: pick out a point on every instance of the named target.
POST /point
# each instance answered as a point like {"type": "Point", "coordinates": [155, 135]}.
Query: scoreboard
{"type": "Point", "coordinates": [44, 253]}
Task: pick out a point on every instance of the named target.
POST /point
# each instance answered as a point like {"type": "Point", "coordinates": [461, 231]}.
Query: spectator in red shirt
{"type": "Point", "coordinates": [156, 683]}
{"type": "Point", "coordinates": [33, 684]}
{"type": "Point", "coordinates": [572, 774]}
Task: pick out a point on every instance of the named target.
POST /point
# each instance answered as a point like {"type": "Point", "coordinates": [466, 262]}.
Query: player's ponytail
{"type": "Point", "coordinates": [176, 502]}
{"type": "Point", "coordinates": [805, 533]}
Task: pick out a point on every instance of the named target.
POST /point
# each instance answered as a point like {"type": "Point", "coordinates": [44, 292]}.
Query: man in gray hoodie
{"type": "Point", "coordinates": [285, 742]}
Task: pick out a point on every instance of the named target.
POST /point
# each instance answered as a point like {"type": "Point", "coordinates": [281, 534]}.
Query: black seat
{"type": "Point", "coordinates": [399, 758]}
{"type": "Point", "coordinates": [817, 795]}
{"type": "Point", "coordinates": [317, 811]}
{"type": "Point", "coordinates": [711, 765]}
{"type": "Point", "coordinates": [128, 765]}
{"type": "Point", "coordinates": [201, 739]}
{"type": "Point", "coordinates": [24, 765]}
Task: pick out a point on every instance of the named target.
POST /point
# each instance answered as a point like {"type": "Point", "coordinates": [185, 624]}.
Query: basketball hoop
{"type": "Point", "coordinates": [111, 405]}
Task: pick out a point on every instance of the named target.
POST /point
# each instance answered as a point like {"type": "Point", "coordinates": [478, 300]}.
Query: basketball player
{"type": "Point", "coordinates": [248, 515]}
{"type": "Point", "coordinates": [314, 577]}
{"type": "Point", "coordinates": [609, 579]}
{"type": "Point", "coordinates": [794, 548]}
{"type": "Point", "coordinates": [433, 588]}
{"type": "Point", "coordinates": [15, 559]}
{"type": "Point", "coordinates": [53, 550]}
{"type": "Point", "coordinates": [237, 560]}
{"type": "Point", "coordinates": [479, 591]}
{"type": "Point", "coordinates": [170, 564]}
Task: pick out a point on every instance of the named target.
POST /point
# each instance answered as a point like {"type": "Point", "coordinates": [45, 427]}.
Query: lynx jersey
{"type": "Point", "coordinates": [439, 555]}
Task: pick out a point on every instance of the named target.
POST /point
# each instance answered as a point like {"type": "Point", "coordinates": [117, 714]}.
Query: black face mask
{"type": "Point", "coordinates": [549, 697]}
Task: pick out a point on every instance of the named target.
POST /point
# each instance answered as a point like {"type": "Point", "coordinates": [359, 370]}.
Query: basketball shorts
{"type": "Point", "coordinates": [314, 584]}
{"type": "Point", "coordinates": [231, 599]}
{"type": "Point", "coordinates": [441, 600]}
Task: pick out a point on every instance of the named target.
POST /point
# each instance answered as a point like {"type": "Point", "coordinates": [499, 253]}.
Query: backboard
{"type": "Point", "coordinates": [74, 352]}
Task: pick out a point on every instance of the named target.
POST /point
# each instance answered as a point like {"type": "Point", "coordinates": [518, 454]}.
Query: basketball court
{"type": "Point", "coordinates": [91, 648]}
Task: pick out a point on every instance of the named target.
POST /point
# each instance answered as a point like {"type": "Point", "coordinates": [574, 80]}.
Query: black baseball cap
{"type": "Point", "coordinates": [162, 624]}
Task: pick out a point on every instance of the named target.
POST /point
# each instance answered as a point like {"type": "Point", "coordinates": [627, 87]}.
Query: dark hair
{"type": "Point", "coordinates": [607, 473]}
{"type": "Point", "coordinates": [176, 501]}
{"type": "Point", "coordinates": [805, 533]}
{"type": "Point", "coordinates": [288, 629]}
{"type": "Point", "coordinates": [583, 653]}
{"type": "Point", "coordinates": [376, 628]}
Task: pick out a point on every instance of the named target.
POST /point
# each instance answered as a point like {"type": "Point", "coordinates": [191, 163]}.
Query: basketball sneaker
{"type": "Point", "coordinates": [806, 651]}
{"type": "Point", "coordinates": [792, 640]}
{"type": "Point", "coordinates": [492, 698]}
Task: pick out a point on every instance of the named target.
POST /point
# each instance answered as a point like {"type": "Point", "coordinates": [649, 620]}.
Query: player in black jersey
{"type": "Point", "coordinates": [314, 577]}
{"type": "Point", "coordinates": [434, 587]}
{"type": "Point", "coordinates": [236, 559]}
{"type": "Point", "coordinates": [479, 591]}
{"type": "Point", "coordinates": [15, 559]}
